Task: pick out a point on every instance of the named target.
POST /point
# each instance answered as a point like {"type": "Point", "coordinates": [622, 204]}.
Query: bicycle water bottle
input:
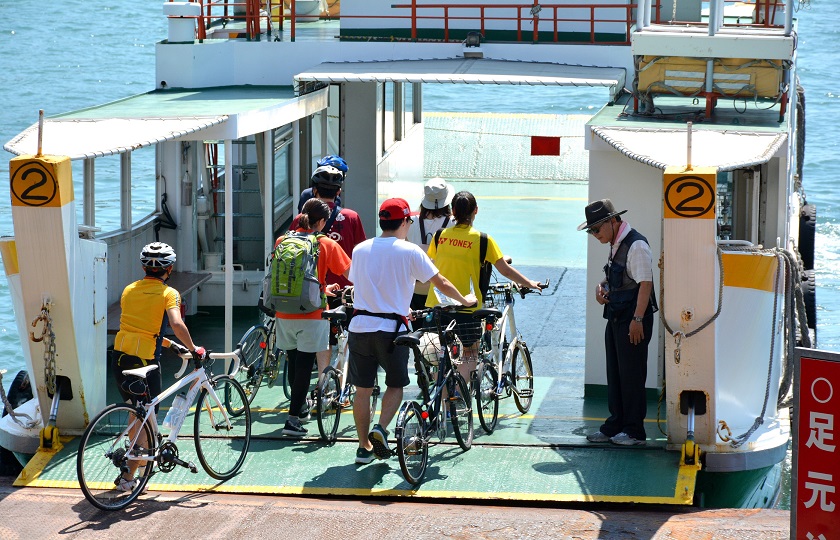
{"type": "Point", "coordinates": [176, 413]}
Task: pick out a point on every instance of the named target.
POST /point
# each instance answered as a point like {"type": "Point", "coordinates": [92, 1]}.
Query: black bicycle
{"type": "Point", "coordinates": [418, 423]}
{"type": "Point", "coordinates": [261, 358]}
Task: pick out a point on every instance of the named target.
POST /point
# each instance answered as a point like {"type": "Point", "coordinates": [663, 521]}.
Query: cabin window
{"type": "Point", "coordinates": [333, 121]}
{"type": "Point", "coordinates": [282, 175]}
{"type": "Point", "coordinates": [740, 205]}
{"type": "Point", "coordinates": [388, 122]}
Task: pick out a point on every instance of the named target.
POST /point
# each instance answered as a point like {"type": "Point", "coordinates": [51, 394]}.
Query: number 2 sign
{"type": "Point", "coordinates": [690, 194]}
{"type": "Point", "coordinates": [43, 182]}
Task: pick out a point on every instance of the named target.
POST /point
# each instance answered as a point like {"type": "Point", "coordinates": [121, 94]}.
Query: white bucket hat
{"type": "Point", "coordinates": [437, 194]}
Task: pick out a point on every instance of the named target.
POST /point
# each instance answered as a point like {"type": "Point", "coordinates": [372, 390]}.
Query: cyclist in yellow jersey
{"type": "Point", "coordinates": [146, 305]}
{"type": "Point", "coordinates": [456, 255]}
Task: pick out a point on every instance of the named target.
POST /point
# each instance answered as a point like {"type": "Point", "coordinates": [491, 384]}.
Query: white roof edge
{"type": "Point", "coordinates": [660, 148]}
{"type": "Point", "coordinates": [93, 138]}
{"type": "Point", "coordinates": [468, 71]}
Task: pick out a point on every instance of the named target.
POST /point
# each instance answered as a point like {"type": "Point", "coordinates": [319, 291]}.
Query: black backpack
{"type": "Point", "coordinates": [486, 269]}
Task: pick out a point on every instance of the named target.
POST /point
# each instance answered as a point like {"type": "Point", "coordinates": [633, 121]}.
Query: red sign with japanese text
{"type": "Point", "coordinates": [817, 456]}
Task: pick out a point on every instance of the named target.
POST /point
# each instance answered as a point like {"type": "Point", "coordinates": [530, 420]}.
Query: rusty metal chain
{"type": "Point", "coordinates": [48, 337]}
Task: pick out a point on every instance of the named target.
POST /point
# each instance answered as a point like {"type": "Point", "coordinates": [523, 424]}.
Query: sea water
{"type": "Point", "coordinates": [77, 53]}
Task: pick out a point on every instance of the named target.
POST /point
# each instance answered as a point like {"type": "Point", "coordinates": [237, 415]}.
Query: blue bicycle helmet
{"type": "Point", "coordinates": [334, 161]}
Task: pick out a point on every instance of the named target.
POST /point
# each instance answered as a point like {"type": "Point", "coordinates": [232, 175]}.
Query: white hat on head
{"type": "Point", "coordinates": [437, 194]}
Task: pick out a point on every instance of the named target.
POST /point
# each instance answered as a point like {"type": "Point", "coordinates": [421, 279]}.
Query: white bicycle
{"type": "Point", "coordinates": [120, 448]}
{"type": "Point", "coordinates": [504, 361]}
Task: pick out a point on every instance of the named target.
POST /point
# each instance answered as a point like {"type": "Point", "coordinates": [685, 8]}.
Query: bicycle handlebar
{"type": "Point", "coordinates": [186, 357]}
{"type": "Point", "coordinates": [527, 290]}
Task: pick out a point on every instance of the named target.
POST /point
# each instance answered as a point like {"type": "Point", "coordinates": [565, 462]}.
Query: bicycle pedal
{"type": "Point", "coordinates": [193, 469]}
{"type": "Point", "coordinates": [525, 392]}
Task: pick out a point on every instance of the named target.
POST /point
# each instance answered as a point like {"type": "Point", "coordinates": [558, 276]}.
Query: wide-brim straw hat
{"type": "Point", "coordinates": [598, 212]}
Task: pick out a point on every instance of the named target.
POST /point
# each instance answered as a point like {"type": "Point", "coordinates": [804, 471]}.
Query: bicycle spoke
{"type": "Point", "coordinates": [221, 438]}
{"type": "Point", "coordinates": [108, 467]}
{"type": "Point", "coordinates": [328, 406]}
{"type": "Point", "coordinates": [460, 411]}
{"type": "Point", "coordinates": [522, 377]}
{"type": "Point", "coordinates": [486, 398]}
{"type": "Point", "coordinates": [250, 374]}
{"type": "Point", "coordinates": [412, 447]}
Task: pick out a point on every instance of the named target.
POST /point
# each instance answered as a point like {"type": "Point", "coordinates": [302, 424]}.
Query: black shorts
{"type": "Point", "coordinates": [368, 351]}
{"type": "Point", "coordinates": [121, 361]}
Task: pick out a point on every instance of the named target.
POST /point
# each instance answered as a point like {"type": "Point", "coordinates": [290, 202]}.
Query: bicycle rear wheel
{"type": "Point", "coordinates": [327, 403]}
{"type": "Point", "coordinates": [221, 438]}
{"type": "Point", "coordinates": [250, 374]}
{"type": "Point", "coordinates": [522, 377]}
{"type": "Point", "coordinates": [103, 455]}
{"type": "Point", "coordinates": [460, 411]}
{"type": "Point", "coordinates": [412, 447]}
{"type": "Point", "coordinates": [486, 398]}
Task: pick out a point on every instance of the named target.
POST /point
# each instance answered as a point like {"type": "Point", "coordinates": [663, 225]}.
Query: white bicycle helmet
{"type": "Point", "coordinates": [157, 255]}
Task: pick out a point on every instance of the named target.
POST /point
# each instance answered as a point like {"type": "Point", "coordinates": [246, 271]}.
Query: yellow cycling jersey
{"type": "Point", "coordinates": [456, 257]}
{"type": "Point", "coordinates": [144, 304]}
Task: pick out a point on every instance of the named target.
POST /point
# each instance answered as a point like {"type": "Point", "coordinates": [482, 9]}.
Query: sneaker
{"type": "Point", "coordinates": [623, 439]}
{"type": "Point", "coordinates": [378, 437]}
{"type": "Point", "coordinates": [364, 456]}
{"type": "Point", "coordinates": [127, 485]}
{"type": "Point", "coordinates": [294, 429]}
{"type": "Point", "coordinates": [597, 437]}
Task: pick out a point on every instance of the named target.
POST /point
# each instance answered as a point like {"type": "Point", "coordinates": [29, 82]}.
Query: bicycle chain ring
{"type": "Point", "coordinates": [168, 455]}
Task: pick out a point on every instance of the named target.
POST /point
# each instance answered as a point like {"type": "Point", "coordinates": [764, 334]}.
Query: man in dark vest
{"type": "Point", "coordinates": [629, 304]}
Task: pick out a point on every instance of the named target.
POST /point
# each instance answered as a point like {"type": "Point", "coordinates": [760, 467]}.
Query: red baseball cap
{"type": "Point", "coordinates": [395, 209]}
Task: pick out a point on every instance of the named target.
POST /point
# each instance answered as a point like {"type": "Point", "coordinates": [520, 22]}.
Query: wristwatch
{"type": "Point", "coordinates": [638, 319]}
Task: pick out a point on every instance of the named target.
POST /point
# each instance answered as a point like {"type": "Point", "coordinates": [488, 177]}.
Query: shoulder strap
{"type": "Point", "coordinates": [422, 230]}
{"type": "Point", "coordinates": [482, 248]}
{"type": "Point", "coordinates": [437, 238]}
{"type": "Point", "coordinates": [336, 209]}
{"type": "Point", "coordinates": [445, 222]}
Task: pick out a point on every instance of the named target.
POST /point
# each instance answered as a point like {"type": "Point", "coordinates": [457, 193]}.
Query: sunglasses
{"type": "Point", "coordinates": [410, 220]}
{"type": "Point", "coordinates": [593, 230]}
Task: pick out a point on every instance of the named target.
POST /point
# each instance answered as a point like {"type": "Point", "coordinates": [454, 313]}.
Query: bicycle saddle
{"type": "Point", "coordinates": [141, 371]}
{"type": "Point", "coordinates": [337, 314]}
{"type": "Point", "coordinates": [484, 313]}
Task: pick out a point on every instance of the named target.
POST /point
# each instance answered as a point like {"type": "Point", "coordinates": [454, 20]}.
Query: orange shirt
{"type": "Point", "coordinates": [331, 257]}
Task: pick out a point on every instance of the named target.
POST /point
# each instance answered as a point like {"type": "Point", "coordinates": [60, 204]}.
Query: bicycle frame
{"type": "Point", "coordinates": [196, 380]}
{"type": "Point", "coordinates": [504, 326]}
{"type": "Point", "coordinates": [444, 379]}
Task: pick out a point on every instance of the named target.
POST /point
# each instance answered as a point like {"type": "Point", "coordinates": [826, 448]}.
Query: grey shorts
{"type": "Point", "coordinates": [369, 351]}
{"type": "Point", "coordinates": [305, 335]}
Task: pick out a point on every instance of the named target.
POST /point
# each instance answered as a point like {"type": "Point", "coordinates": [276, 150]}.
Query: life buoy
{"type": "Point", "coordinates": [807, 234]}
{"type": "Point", "coordinates": [20, 391]}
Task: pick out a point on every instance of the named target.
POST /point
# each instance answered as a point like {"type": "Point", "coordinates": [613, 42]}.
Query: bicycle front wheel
{"type": "Point", "coordinates": [486, 398]}
{"type": "Point", "coordinates": [102, 462]}
{"type": "Point", "coordinates": [328, 406]}
{"type": "Point", "coordinates": [412, 447]}
{"type": "Point", "coordinates": [522, 377]}
{"type": "Point", "coordinates": [222, 438]}
{"type": "Point", "coordinates": [250, 374]}
{"type": "Point", "coordinates": [460, 411]}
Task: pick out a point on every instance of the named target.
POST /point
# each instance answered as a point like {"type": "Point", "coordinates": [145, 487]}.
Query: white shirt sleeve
{"type": "Point", "coordinates": [640, 262]}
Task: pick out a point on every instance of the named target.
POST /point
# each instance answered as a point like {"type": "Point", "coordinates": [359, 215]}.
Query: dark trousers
{"type": "Point", "coordinates": [300, 373]}
{"type": "Point", "coordinates": [626, 374]}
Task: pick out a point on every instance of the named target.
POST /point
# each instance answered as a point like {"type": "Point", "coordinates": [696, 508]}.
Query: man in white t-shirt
{"type": "Point", "coordinates": [383, 273]}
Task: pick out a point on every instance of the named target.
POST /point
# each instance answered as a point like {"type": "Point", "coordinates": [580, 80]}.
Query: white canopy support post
{"type": "Point", "coordinates": [295, 166]}
{"type": "Point", "coordinates": [228, 245]}
{"type": "Point", "coordinates": [125, 191]}
{"type": "Point", "coordinates": [88, 186]}
{"type": "Point", "coordinates": [268, 191]}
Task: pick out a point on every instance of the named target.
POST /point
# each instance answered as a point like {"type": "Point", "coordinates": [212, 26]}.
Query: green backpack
{"type": "Point", "coordinates": [291, 285]}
